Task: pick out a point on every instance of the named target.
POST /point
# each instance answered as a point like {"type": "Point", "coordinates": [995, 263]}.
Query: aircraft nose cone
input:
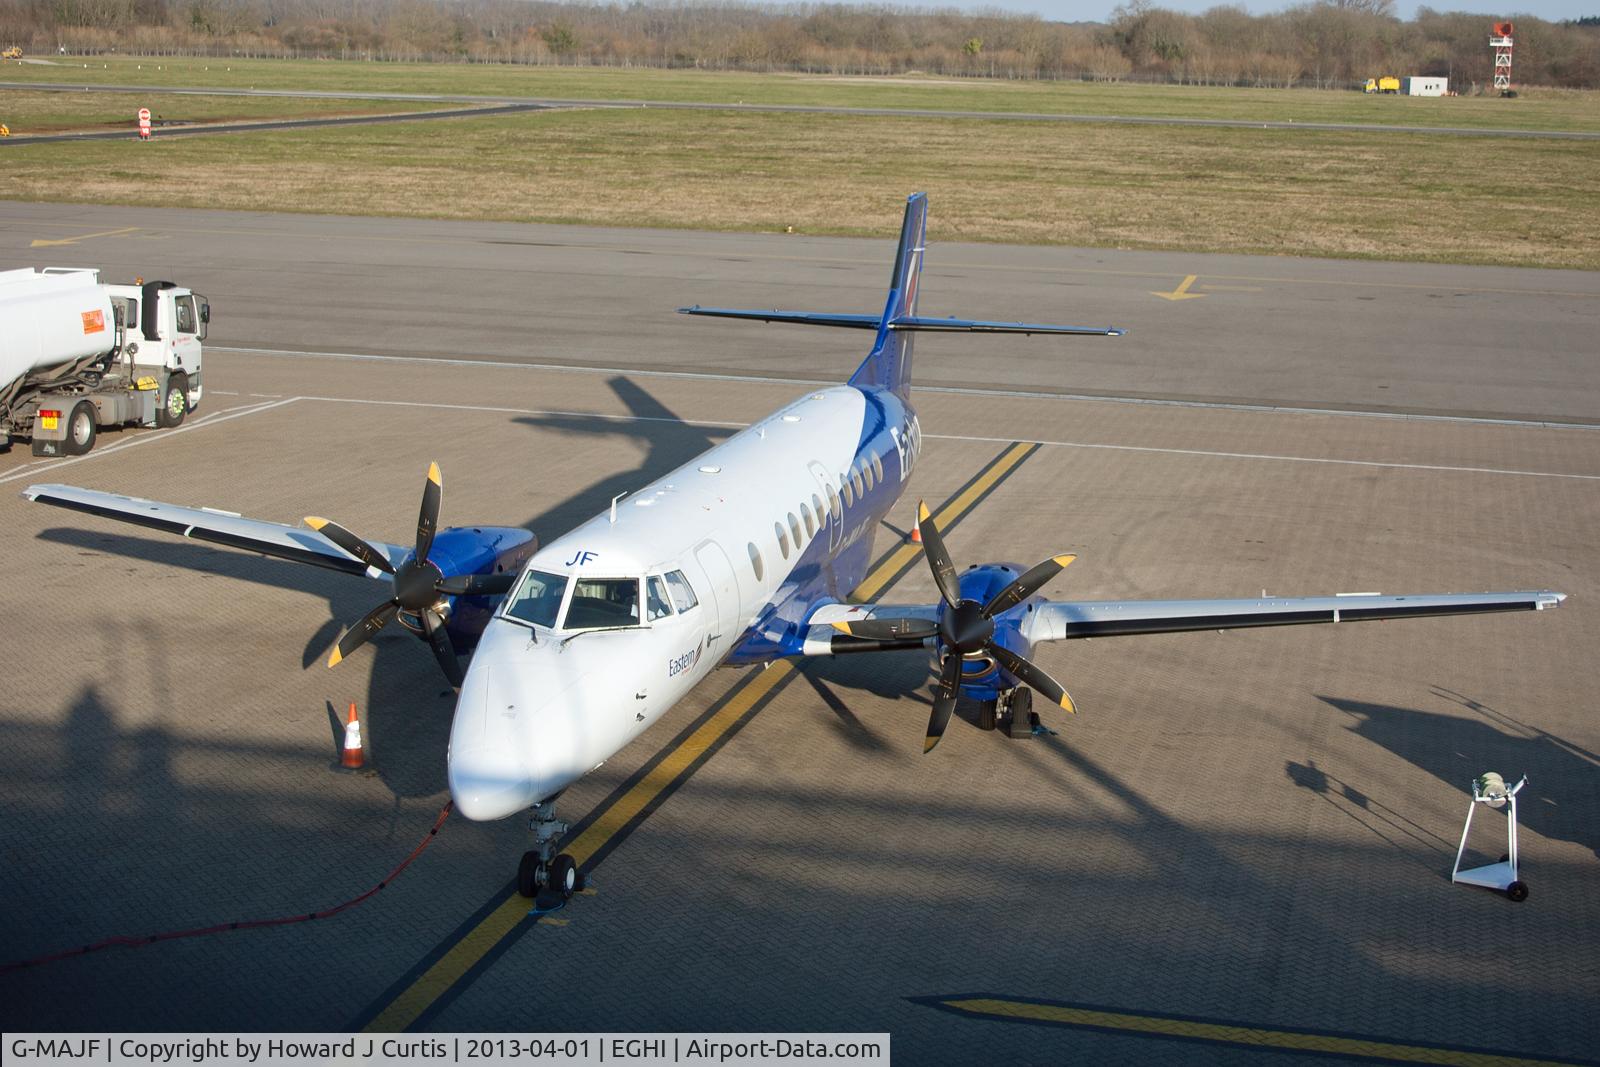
{"type": "Point", "coordinates": [485, 785]}
{"type": "Point", "coordinates": [489, 776]}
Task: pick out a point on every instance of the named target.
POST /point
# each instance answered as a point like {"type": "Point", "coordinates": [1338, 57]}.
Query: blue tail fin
{"type": "Point", "coordinates": [888, 366]}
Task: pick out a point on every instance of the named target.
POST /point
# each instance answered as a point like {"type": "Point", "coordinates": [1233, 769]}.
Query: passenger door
{"type": "Point", "coordinates": [721, 597]}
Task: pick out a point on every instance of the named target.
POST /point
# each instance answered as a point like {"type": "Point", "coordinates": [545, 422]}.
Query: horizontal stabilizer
{"type": "Point", "coordinates": [953, 325]}
{"type": "Point", "coordinates": [804, 318]}
{"type": "Point", "coordinates": [909, 322]}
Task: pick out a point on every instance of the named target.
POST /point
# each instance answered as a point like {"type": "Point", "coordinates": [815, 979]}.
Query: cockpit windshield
{"type": "Point", "coordinates": [538, 599]}
{"type": "Point", "coordinates": [603, 603]}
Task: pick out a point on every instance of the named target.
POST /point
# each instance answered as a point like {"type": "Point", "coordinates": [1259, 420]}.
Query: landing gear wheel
{"type": "Point", "coordinates": [82, 425]}
{"type": "Point", "coordinates": [1517, 891]}
{"type": "Point", "coordinates": [1022, 716]}
{"type": "Point", "coordinates": [528, 872]}
{"type": "Point", "coordinates": [988, 713]}
{"type": "Point", "coordinates": [175, 405]}
{"type": "Point", "coordinates": [564, 876]}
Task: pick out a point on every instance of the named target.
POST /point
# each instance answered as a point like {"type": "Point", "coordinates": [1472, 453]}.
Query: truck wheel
{"type": "Point", "coordinates": [175, 405]}
{"type": "Point", "coordinates": [82, 426]}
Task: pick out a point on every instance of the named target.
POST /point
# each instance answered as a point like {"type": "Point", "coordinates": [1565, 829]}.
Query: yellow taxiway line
{"type": "Point", "coordinates": [410, 1003]}
{"type": "Point", "coordinates": [1108, 1020]}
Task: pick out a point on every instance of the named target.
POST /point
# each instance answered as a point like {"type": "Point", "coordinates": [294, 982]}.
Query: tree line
{"type": "Point", "coordinates": [1325, 43]}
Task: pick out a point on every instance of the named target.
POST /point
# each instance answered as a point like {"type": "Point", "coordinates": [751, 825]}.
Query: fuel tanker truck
{"type": "Point", "coordinates": [77, 354]}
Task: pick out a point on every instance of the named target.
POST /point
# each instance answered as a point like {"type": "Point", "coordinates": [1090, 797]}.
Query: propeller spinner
{"type": "Point", "coordinates": [966, 628]}
{"type": "Point", "coordinates": [419, 585]}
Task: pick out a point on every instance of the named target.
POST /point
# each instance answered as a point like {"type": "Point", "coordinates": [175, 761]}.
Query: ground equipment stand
{"type": "Point", "coordinates": [1491, 789]}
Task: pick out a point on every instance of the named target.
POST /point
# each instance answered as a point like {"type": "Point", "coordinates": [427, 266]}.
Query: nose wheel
{"type": "Point", "coordinates": [534, 874]}
{"type": "Point", "coordinates": [541, 866]}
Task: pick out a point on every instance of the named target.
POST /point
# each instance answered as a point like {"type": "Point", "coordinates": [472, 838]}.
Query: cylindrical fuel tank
{"type": "Point", "coordinates": [50, 319]}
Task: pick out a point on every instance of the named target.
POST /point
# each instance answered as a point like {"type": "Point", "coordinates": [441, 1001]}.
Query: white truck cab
{"type": "Point", "coordinates": [77, 354]}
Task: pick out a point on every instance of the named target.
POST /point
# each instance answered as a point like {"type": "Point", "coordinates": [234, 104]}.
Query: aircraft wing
{"type": "Point", "coordinates": [300, 544]}
{"type": "Point", "coordinates": [1114, 618]}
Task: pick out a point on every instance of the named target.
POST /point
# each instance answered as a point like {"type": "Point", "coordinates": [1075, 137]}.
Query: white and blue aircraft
{"type": "Point", "coordinates": [745, 554]}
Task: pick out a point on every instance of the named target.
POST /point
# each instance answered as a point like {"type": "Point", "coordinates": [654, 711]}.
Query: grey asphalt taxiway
{"type": "Point", "coordinates": [1239, 848]}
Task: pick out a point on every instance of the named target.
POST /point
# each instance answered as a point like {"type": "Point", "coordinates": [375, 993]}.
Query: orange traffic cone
{"type": "Point", "coordinates": [916, 535]}
{"type": "Point", "coordinates": [354, 755]}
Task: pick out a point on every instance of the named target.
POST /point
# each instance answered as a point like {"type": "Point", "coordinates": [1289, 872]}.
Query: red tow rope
{"type": "Point", "coordinates": [242, 924]}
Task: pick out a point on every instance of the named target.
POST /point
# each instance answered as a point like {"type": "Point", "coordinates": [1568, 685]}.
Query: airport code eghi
{"type": "Point", "coordinates": [55, 1051]}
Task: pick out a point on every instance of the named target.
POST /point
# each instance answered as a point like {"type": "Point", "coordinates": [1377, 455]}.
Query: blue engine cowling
{"type": "Point", "coordinates": [475, 550]}
{"type": "Point", "coordinates": [981, 677]}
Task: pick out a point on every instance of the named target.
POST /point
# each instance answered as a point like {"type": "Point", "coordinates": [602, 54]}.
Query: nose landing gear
{"type": "Point", "coordinates": [541, 868]}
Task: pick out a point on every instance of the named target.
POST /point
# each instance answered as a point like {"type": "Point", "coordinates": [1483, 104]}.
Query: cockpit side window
{"type": "Point", "coordinates": [603, 603]}
{"type": "Point", "coordinates": [657, 604]}
{"type": "Point", "coordinates": [538, 599]}
{"type": "Point", "coordinates": [682, 594]}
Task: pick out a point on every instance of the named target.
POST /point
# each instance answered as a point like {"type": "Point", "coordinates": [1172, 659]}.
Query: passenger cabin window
{"type": "Point", "coordinates": [755, 562]}
{"type": "Point", "coordinates": [538, 599]}
{"type": "Point", "coordinates": [188, 321]}
{"type": "Point", "coordinates": [845, 491]}
{"type": "Point", "coordinates": [603, 603]}
{"type": "Point", "coordinates": [794, 528]}
{"type": "Point", "coordinates": [811, 526]}
{"type": "Point", "coordinates": [682, 593]}
{"type": "Point", "coordinates": [866, 474]}
{"type": "Point", "coordinates": [820, 509]}
{"type": "Point", "coordinates": [657, 606]}
{"type": "Point", "coordinates": [783, 538]}
{"type": "Point", "coordinates": [855, 480]}
{"type": "Point", "coordinates": [833, 500]}
{"type": "Point", "coordinates": [877, 467]}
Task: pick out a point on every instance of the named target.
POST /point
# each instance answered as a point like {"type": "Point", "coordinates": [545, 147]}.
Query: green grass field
{"type": "Point", "coordinates": [1381, 195]}
{"type": "Point", "coordinates": [1536, 109]}
{"type": "Point", "coordinates": [53, 112]}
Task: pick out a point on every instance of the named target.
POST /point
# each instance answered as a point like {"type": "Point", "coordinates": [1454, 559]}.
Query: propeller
{"type": "Point", "coordinates": [419, 585]}
{"type": "Point", "coordinates": [965, 628]}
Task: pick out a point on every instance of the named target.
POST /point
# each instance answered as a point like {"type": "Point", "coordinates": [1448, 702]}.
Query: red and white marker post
{"type": "Point", "coordinates": [144, 124]}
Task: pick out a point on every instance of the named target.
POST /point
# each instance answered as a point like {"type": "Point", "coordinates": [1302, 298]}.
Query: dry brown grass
{"type": "Point", "coordinates": [1393, 196]}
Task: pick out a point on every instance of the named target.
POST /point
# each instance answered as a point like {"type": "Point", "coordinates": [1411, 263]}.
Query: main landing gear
{"type": "Point", "coordinates": [541, 868]}
{"type": "Point", "coordinates": [1013, 711]}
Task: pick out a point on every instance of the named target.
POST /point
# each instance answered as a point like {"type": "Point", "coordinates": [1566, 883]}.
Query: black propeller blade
{"type": "Point", "coordinates": [418, 583]}
{"type": "Point", "coordinates": [966, 628]}
{"type": "Point", "coordinates": [944, 701]}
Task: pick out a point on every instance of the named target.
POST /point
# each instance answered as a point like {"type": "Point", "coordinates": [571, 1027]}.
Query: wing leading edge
{"type": "Point", "coordinates": [1125, 618]}
{"type": "Point", "coordinates": [298, 544]}
{"type": "Point", "coordinates": [1112, 618]}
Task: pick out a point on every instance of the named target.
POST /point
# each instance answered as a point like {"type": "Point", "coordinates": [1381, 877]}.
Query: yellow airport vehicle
{"type": "Point", "coordinates": [14, 52]}
{"type": "Point", "coordinates": [1385, 84]}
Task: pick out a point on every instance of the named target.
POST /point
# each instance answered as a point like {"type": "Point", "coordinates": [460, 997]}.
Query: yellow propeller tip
{"type": "Point", "coordinates": [1068, 706]}
{"type": "Point", "coordinates": [842, 627]}
{"type": "Point", "coordinates": [928, 743]}
{"type": "Point", "coordinates": [434, 476]}
{"type": "Point", "coordinates": [1062, 561]}
{"type": "Point", "coordinates": [335, 659]}
{"type": "Point", "coordinates": [922, 511]}
{"type": "Point", "coordinates": [315, 523]}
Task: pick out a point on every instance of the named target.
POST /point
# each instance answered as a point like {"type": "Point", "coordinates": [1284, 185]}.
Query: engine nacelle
{"type": "Point", "coordinates": [461, 550]}
{"type": "Point", "coordinates": [981, 677]}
